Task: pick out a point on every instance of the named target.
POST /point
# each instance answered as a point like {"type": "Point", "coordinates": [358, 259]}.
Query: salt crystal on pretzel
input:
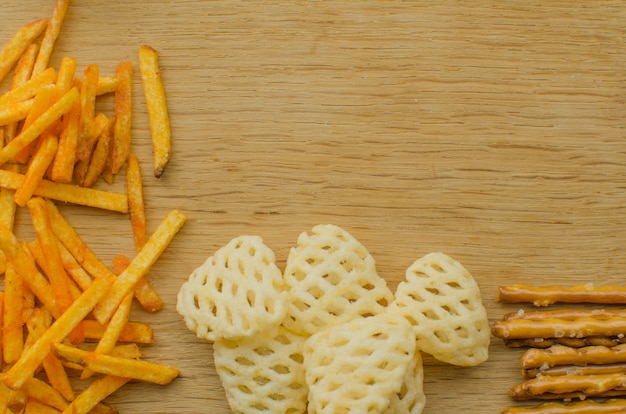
{"type": "Point", "coordinates": [443, 303]}
{"type": "Point", "coordinates": [547, 295]}
{"type": "Point", "coordinates": [358, 366]}
{"type": "Point", "coordinates": [264, 373]}
{"type": "Point", "coordinates": [238, 292]}
{"type": "Point", "coordinates": [332, 279]}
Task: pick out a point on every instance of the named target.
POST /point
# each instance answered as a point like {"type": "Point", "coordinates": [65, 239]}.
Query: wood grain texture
{"type": "Point", "coordinates": [491, 131]}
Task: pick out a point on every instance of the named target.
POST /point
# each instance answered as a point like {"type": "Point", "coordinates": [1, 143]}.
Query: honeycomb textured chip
{"type": "Point", "coordinates": [238, 292]}
{"type": "Point", "coordinates": [411, 398]}
{"type": "Point", "coordinates": [264, 374]}
{"type": "Point", "coordinates": [443, 303]}
{"type": "Point", "coordinates": [332, 278]}
{"type": "Point", "coordinates": [358, 366]}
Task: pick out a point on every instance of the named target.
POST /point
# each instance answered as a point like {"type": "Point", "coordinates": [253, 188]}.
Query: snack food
{"type": "Point", "coordinates": [358, 365]}
{"type": "Point", "coordinates": [443, 303]}
{"type": "Point", "coordinates": [332, 279]}
{"type": "Point", "coordinates": [238, 292]}
{"type": "Point", "coordinates": [263, 373]}
{"type": "Point", "coordinates": [547, 295]}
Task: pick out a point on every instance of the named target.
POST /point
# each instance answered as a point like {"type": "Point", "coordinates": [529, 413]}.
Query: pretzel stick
{"type": "Point", "coordinates": [547, 295]}
{"type": "Point", "coordinates": [575, 369]}
{"type": "Point", "coordinates": [578, 407]}
{"type": "Point", "coordinates": [566, 314]}
{"type": "Point", "coordinates": [571, 342]}
{"type": "Point", "coordinates": [564, 355]}
{"type": "Point", "coordinates": [559, 328]}
{"type": "Point", "coordinates": [570, 386]}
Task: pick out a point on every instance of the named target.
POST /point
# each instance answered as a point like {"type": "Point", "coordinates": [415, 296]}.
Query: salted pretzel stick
{"type": "Point", "coordinates": [570, 313]}
{"type": "Point", "coordinates": [543, 343]}
{"type": "Point", "coordinates": [575, 369]}
{"type": "Point", "coordinates": [570, 386]}
{"type": "Point", "coordinates": [614, 405]}
{"type": "Point", "coordinates": [547, 295]}
{"type": "Point", "coordinates": [559, 328]}
{"type": "Point", "coordinates": [564, 355]}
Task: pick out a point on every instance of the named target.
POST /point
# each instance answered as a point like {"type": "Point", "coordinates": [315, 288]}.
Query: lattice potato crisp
{"type": "Point", "coordinates": [263, 374]}
{"type": "Point", "coordinates": [443, 303]}
{"type": "Point", "coordinates": [238, 292]}
{"type": "Point", "coordinates": [332, 279]}
{"type": "Point", "coordinates": [358, 366]}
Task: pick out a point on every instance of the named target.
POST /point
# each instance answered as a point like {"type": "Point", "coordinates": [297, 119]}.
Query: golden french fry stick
{"type": "Point", "coordinates": [40, 162]}
{"type": "Point", "coordinates": [26, 366]}
{"type": "Point", "coordinates": [29, 88]}
{"type": "Point", "coordinates": [50, 36]}
{"type": "Point", "coordinates": [547, 295]}
{"type": "Point", "coordinates": [136, 205]}
{"type": "Point", "coordinates": [140, 264]}
{"type": "Point", "coordinates": [133, 332]}
{"type": "Point", "coordinates": [97, 391]}
{"type": "Point", "coordinates": [69, 193]}
{"type": "Point", "coordinates": [12, 335]}
{"type": "Point", "coordinates": [123, 116]}
{"type": "Point", "coordinates": [157, 107]}
{"type": "Point", "coordinates": [22, 73]}
{"type": "Point", "coordinates": [27, 136]}
{"type": "Point", "coordinates": [14, 48]}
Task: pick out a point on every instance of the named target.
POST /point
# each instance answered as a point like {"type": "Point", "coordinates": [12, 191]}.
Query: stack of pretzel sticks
{"type": "Point", "coordinates": [575, 356]}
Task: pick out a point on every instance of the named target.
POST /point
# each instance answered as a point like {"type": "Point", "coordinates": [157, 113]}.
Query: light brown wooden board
{"type": "Point", "coordinates": [491, 131]}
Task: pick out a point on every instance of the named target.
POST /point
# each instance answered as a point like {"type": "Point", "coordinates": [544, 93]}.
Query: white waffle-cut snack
{"type": "Point", "coordinates": [443, 303]}
{"type": "Point", "coordinates": [411, 398]}
{"type": "Point", "coordinates": [264, 374]}
{"type": "Point", "coordinates": [332, 279]}
{"type": "Point", "coordinates": [358, 366]}
{"type": "Point", "coordinates": [238, 292]}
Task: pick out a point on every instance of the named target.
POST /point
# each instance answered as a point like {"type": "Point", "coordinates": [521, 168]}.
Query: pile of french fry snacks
{"type": "Point", "coordinates": [64, 314]}
{"type": "Point", "coordinates": [575, 357]}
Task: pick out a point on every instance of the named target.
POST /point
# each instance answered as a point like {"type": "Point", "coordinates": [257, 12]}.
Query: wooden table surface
{"type": "Point", "coordinates": [491, 131]}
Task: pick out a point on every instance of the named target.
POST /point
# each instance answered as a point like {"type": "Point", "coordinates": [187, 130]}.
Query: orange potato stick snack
{"type": "Point", "coordinates": [29, 88]}
{"type": "Point", "coordinates": [99, 156]}
{"type": "Point", "coordinates": [14, 48]}
{"type": "Point", "coordinates": [50, 36]}
{"type": "Point", "coordinates": [15, 111]}
{"type": "Point", "coordinates": [136, 205]}
{"type": "Point", "coordinates": [23, 71]}
{"type": "Point", "coordinates": [106, 84]}
{"type": "Point", "coordinates": [97, 391]}
{"type": "Point", "coordinates": [157, 108]}
{"type": "Point", "coordinates": [123, 112]}
{"type": "Point", "coordinates": [113, 330]}
{"type": "Point", "coordinates": [116, 366]}
{"type": "Point", "coordinates": [2, 294]}
{"type": "Point", "coordinates": [59, 280]}
{"type": "Point", "coordinates": [63, 165]}
{"type": "Point", "coordinates": [88, 105]}
{"type": "Point", "coordinates": [36, 169]}
{"type": "Point", "coordinates": [69, 193]}
{"type": "Point", "coordinates": [34, 406]}
{"type": "Point", "coordinates": [72, 241]}
{"type": "Point", "coordinates": [3, 262]}
{"type": "Point", "coordinates": [73, 268]}
{"type": "Point", "coordinates": [24, 265]}
{"type": "Point", "coordinates": [29, 134]}
{"type": "Point", "coordinates": [25, 367]}
{"type": "Point", "coordinates": [7, 203]}
{"type": "Point", "coordinates": [36, 388]}
{"type": "Point", "coordinates": [140, 264]}
{"type": "Point", "coordinates": [67, 72]}
{"type": "Point", "coordinates": [12, 327]}
{"type": "Point", "coordinates": [147, 297]}
{"type": "Point", "coordinates": [100, 124]}
{"type": "Point", "coordinates": [134, 332]}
